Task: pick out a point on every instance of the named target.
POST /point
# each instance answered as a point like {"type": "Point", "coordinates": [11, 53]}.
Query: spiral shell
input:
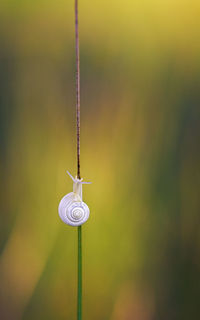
{"type": "Point", "coordinates": [72, 210]}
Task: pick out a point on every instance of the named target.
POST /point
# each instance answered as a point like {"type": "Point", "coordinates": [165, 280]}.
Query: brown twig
{"type": "Point", "coordinates": [77, 90]}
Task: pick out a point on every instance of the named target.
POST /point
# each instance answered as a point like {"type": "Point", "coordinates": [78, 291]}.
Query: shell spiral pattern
{"type": "Point", "coordinates": [72, 210]}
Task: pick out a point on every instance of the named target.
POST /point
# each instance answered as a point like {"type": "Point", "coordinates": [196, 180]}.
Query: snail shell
{"type": "Point", "coordinates": [72, 210]}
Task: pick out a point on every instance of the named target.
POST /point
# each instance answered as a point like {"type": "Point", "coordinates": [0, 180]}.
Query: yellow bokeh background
{"type": "Point", "coordinates": [140, 77]}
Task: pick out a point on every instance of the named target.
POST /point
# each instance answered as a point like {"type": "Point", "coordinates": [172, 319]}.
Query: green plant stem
{"type": "Point", "coordinates": [79, 301]}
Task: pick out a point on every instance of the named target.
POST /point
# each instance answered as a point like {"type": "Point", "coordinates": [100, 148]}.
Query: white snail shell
{"type": "Point", "coordinates": [72, 210]}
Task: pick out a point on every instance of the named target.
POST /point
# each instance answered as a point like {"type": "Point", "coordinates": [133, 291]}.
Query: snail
{"type": "Point", "coordinates": [72, 210]}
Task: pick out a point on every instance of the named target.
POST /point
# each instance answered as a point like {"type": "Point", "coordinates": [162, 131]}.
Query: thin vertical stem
{"type": "Point", "coordinates": [79, 308]}
{"type": "Point", "coordinates": [77, 89]}
{"type": "Point", "coordinates": [79, 289]}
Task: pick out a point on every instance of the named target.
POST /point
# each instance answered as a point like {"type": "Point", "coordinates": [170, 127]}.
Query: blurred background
{"type": "Point", "coordinates": [140, 77]}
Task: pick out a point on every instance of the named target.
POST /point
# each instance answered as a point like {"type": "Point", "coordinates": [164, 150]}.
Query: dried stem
{"type": "Point", "coordinates": [77, 90]}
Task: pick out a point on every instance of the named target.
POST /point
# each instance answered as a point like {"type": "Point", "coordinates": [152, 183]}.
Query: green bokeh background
{"type": "Point", "coordinates": [140, 80]}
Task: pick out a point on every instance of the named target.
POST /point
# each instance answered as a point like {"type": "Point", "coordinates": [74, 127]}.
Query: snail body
{"type": "Point", "coordinates": [72, 210]}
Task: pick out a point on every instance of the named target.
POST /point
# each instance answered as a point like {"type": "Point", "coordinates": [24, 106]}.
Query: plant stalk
{"type": "Point", "coordinates": [79, 288]}
{"type": "Point", "coordinates": [79, 308]}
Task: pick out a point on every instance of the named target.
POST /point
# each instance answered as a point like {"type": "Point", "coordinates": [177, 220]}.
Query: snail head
{"type": "Point", "coordinates": [77, 184]}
